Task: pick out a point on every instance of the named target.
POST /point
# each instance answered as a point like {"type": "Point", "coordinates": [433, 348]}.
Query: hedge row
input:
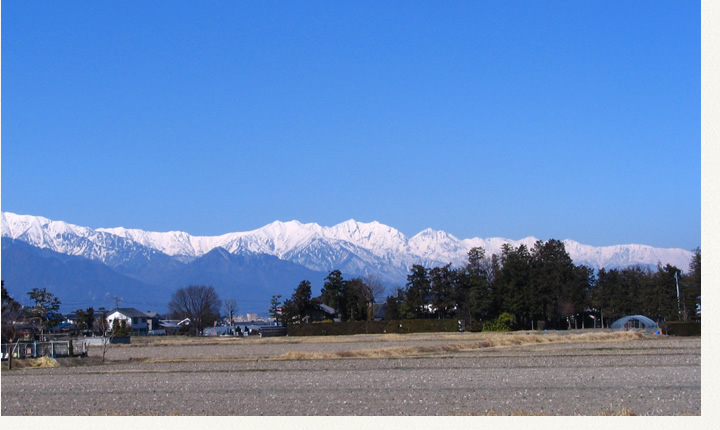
{"type": "Point", "coordinates": [361, 327]}
{"type": "Point", "coordinates": [682, 328]}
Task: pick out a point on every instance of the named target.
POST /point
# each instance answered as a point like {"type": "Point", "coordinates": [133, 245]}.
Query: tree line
{"type": "Point", "coordinates": [351, 299]}
{"type": "Point", "coordinates": [543, 285]}
{"type": "Point", "coordinates": [521, 288]}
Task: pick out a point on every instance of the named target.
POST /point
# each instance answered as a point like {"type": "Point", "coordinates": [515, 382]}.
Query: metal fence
{"type": "Point", "coordinates": [64, 348]}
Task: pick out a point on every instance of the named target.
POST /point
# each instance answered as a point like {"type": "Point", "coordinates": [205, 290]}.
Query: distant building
{"type": "Point", "coordinates": [71, 318]}
{"type": "Point", "coordinates": [136, 320]}
{"type": "Point", "coordinates": [173, 327]}
{"type": "Point", "coordinates": [320, 312]}
{"type": "Point", "coordinates": [153, 320]}
{"type": "Point", "coordinates": [246, 318]}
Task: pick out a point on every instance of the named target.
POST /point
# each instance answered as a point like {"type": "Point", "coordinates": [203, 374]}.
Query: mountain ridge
{"type": "Point", "coordinates": [312, 245]}
{"type": "Point", "coordinates": [81, 264]}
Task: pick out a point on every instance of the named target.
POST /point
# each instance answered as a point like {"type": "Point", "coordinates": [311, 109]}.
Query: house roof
{"type": "Point", "coordinates": [326, 308]}
{"type": "Point", "coordinates": [64, 326]}
{"type": "Point", "coordinates": [129, 312]}
{"type": "Point", "coordinates": [174, 323]}
{"type": "Point", "coordinates": [168, 324]}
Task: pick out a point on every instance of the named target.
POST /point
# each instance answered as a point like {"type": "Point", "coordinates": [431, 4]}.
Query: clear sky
{"type": "Point", "coordinates": [570, 119]}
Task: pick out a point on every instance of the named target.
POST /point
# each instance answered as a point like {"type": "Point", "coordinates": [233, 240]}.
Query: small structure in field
{"type": "Point", "coordinates": [635, 322]}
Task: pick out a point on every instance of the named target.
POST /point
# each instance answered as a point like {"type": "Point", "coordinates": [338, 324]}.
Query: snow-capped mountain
{"type": "Point", "coordinates": [353, 247]}
{"type": "Point", "coordinates": [85, 265]}
{"type": "Point", "coordinates": [69, 239]}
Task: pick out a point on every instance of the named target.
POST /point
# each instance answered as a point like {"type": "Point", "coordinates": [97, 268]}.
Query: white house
{"type": "Point", "coordinates": [135, 319]}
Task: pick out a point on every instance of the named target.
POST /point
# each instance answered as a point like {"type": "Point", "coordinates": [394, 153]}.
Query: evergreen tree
{"type": "Point", "coordinates": [476, 287]}
{"type": "Point", "coordinates": [662, 301]}
{"type": "Point", "coordinates": [120, 328]}
{"type": "Point", "coordinates": [393, 305]}
{"type": "Point", "coordinates": [274, 304]}
{"type": "Point", "coordinates": [580, 292]}
{"type": "Point", "coordinates": [333, 290]}
{"type": "Point", "coordinates": [635, 291]}
{"type": "Point", "coordinates": [85, 318]}
{"type": "Point", "coordinates": [443, 281]}
{"type": "Point", "coordinates": [302, 298]}
{"type": "Point", "coordinates": [606, 296]}
{"type": "Point", "coordinates": [356, 299]}
{"type": "Point", "coordinates": [496, 299]}
{"type": "Point", "coordinates": [553, 276]}
{"type": "Point", "coordinates": [513, 284]}
{"type": "Point", "coordinates": [298, 306]}
{"type": "Point", "coordinates": [46, 307]}
{"type": "Point", "coordinates": [417, 293]}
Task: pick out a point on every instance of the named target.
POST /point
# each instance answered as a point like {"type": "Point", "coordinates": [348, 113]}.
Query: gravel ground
{"type": "Point", "coordinates": [659, 376]}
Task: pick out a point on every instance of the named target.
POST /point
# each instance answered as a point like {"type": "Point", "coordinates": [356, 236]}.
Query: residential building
{"type": "Point", "coordinates": [136, 320]}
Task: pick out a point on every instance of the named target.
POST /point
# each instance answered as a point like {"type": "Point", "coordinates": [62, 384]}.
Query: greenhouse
{"type": "Point", "coordinates": [635, 322]}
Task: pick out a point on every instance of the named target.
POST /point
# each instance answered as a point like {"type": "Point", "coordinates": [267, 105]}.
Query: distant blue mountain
{"type": "Point", "coordinates": [76, 281]}
{"type": "Point", "coordinates": [148, 284]}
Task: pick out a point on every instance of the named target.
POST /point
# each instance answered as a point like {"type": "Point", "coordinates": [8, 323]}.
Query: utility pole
{"type": "Point", "coordinates": [677, 287]}
{"type": "Point", "coordinates": [117, 302]}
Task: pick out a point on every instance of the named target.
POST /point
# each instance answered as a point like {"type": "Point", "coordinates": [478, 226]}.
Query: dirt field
{"type": "Point", "coordinates": [422, 374]}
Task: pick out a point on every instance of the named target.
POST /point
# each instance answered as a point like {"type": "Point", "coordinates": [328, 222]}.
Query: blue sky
{"type": "Point", "coordinates": [553, 119]}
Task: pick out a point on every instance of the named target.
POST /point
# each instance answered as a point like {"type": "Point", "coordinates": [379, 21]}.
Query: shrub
{"type": "Point", "coordinates": [504, 322]}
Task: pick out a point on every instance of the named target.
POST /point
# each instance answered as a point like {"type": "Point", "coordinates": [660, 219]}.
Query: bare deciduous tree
{"type": "Point", "coordinates": [230, 307]}
{"type": "Point", "coordinates": [199, 303]}
{"type": "Point", "coordinates": [376, 291]}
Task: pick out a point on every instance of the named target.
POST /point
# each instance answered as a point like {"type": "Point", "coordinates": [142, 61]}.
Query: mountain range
{"type": "Point", "coordinates": [91, 267]}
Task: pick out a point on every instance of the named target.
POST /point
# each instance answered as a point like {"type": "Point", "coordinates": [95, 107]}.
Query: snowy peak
{"type": "Point", "coordinates": [37, 230]}
{"type": "Point", "coordinates": [288, 230]}
{"type": "Point", "coordinates": [436, 246]}
{"type": "Point", "coordinates": [70, 239]}
{"type": "Point", "coordinates": [278, 238]}
{"type": "Point", "coordinates": [371, 235]}
{"type": "Point", "coordinates": [353, 247]}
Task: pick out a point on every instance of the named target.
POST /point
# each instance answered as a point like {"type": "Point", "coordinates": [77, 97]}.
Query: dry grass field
{"type": "Point", "coordinates": [521, 373]}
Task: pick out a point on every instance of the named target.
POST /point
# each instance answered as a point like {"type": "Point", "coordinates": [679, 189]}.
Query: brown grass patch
{"type": "Point", "coordinates": [499, 339]}
{"type": "Point", "coordinates": [493, 340]}
{"type": "Point", "coordinates": [468, 342]}
{"type": "Point", "coordinates": [42, 362]}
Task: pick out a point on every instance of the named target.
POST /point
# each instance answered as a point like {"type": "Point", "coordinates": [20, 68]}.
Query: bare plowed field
{"type": "Point", "coordinates": [429, 374]}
